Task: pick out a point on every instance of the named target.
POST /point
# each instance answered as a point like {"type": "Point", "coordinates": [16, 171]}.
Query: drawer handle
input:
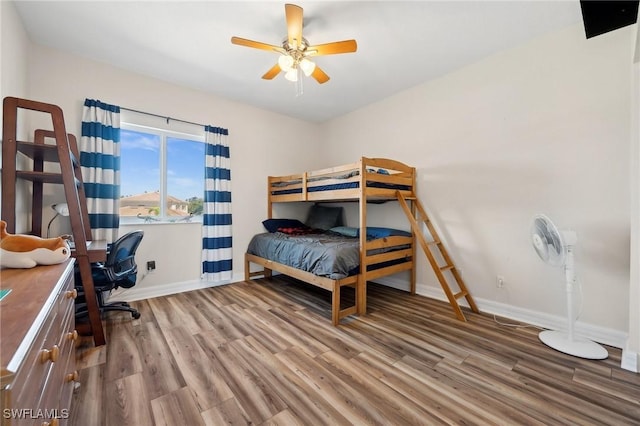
{"type": "Point", "coordinates": [53, 422]}
{"type": "Point", "coordinates": [71, 294]}
{"type": "Point", "coordinates": [72, 335]}
{"type": "Point", "coordinates": [50, 354]}
{"type": "Point", "coordinates": [72, 377]}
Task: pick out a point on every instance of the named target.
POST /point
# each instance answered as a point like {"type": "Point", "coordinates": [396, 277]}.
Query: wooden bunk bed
{"type": "Point", "coordinates": [366, 181]}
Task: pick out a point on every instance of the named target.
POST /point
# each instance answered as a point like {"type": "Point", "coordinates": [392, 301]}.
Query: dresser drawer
{"type": "Point", "coordinates": [47, 350]}
{"type": "Point", "coordinates": [36, 390]}
{"type": "Point", "coordinates": [70, 374]}
{"type": "Point", "coordinates": [30, 378]}
{"type": "Point", "coordinates": [66, 299]}
{"type": "Point", "coordinates": [63, 375]}
{"type": "Point", "coordinates": [55, 398]}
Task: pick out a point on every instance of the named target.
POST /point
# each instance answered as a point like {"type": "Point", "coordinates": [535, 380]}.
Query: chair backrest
{"type": "Point", "coordinates": [120, 265]}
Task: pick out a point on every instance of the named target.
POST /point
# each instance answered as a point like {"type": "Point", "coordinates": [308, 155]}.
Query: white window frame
{"type": "Point", "coordinates": [163, 134]}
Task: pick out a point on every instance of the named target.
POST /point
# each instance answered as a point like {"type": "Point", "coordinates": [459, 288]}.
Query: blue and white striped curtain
{"type": "Point", "coordinates": [217, 264]}
{"type": "Point", "coordinates": [100, 161]}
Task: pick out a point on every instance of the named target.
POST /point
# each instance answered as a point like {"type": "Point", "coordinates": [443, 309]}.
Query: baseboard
{"type": "Point", "coordinates": [630, 361]}
{"type": "Point", "coordinates": [140, 292]}
{"type": "Point", "coordinates": [603, 335]}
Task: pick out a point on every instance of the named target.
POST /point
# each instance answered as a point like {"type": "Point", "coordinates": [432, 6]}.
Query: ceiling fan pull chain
{"type": "Point", "coordinates": [299, 83]}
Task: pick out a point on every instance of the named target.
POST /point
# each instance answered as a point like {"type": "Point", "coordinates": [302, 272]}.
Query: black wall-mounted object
{"type": "Point", "coordinates": [603, 16]}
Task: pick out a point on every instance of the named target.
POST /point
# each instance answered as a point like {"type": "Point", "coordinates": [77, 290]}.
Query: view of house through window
{"type": "Point", "coordinates": [161, 175]}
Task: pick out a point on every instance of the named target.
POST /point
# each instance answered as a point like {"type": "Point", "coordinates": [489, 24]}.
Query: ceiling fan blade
{"type": "Point", "coordinates": [319, 75]}
{"type": "Point", "coordinates": [274, 71]}
{"type": "Point", "coordinates": [255, 44]}
{"type": "Point", "coordinates": [293, 14]}
{"type": "Point", "coordinates": [345, 46]}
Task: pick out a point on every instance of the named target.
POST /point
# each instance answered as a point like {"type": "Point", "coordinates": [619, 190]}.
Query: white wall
{"type": "Point", "coordinates": [631, 353]}
{"type": "Point", "coordinates": [2, 25]}
{"type": "Point", "coordinates": [14, 44]}
{"type": "Point", "coordinates": [262, 143]}
{"type": "Point", "coordinates": [543, 128]}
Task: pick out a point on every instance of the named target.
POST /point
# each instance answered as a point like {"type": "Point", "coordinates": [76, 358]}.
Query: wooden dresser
{"type": "Point", "coordinates": [37, 345]}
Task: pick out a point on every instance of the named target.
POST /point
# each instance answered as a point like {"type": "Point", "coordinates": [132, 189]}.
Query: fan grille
{"type": "Point", "coordinates": [547, 241]}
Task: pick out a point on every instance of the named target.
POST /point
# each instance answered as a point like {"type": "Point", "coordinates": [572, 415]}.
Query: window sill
{"type": "Point", "coordinates": [158, 222]}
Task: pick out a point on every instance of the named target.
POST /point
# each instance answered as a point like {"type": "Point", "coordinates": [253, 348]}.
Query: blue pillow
{"type": "Point", "coordinates": [376, 232]}
{"type": "Point", "coordinates": [347, 231]}
{"type": "Point", "coordinates": [272, 225]}
{"type": "Point", "coordinates": [373, 232]}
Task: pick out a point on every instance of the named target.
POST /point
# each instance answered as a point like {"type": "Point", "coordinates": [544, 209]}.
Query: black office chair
{"type": "Point", "coordinates": [119, 270]}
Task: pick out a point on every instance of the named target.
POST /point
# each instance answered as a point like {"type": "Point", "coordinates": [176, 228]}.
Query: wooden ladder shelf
{"type": "Point", "coordinates": [65, 152]}
{"type": "Point", "coordinates": [428, 247]}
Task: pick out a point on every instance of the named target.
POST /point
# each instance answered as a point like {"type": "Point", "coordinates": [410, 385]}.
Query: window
{"type": "Point", "coordinates": [161, 175]}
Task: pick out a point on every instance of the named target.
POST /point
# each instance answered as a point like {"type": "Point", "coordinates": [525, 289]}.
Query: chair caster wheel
{"type": "Point", "coordinates": [136, 315]}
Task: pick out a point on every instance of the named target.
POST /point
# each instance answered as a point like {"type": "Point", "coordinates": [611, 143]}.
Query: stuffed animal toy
{"type": "Point", "coordinates": [27, 251]}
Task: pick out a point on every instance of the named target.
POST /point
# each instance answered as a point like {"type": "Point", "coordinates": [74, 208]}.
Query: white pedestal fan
{"type": "Point", "coordinates": [556, 249]}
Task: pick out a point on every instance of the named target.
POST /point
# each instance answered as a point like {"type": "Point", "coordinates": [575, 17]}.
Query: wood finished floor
{"type": "Point", "coordinates": [265, 353]}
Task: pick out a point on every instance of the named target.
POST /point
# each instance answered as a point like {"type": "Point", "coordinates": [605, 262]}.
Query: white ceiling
{"type": "Point", "coordinates": [400, 44]}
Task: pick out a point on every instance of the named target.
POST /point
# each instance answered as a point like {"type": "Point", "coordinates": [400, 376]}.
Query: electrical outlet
{"type": "Point", "coordinates": [499, 281]}
{"type": "Point", "coordinates": [151, 265]}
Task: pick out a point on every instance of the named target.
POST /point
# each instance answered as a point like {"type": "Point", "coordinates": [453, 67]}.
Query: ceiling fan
{"type": "Point", "coordinates": [295, 50]}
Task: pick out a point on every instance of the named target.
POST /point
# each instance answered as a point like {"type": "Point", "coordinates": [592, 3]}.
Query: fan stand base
{"type": "Point", "coordinates": [576, 346]}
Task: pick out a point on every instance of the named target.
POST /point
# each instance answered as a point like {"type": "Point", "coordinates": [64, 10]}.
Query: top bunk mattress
{"type": "Point", "coordinates": [338, 182]}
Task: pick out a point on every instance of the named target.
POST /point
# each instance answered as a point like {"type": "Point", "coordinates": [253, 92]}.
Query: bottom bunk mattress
{"type": "Point", "coordinates": [324, 254]}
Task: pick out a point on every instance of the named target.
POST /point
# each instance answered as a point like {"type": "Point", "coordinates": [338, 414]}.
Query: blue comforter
{"type": "Point", "coordinates": [324, 254]}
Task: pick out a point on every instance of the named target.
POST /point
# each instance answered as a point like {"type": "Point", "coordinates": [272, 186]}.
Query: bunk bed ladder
{"type": "Point", "coordinates": [65, 153]}
{"type": "Point", "coordinates": [428, 246]}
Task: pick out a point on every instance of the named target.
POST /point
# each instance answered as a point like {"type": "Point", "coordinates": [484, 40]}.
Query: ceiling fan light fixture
{"type": "Point", "coordinates": [307, 66]}
{"type": "Point", "coordinates": [292, 75]}
{"type": "Point", "coordinates": [295, 49]}
{"type": "Point", "coordinates": [285, 62]}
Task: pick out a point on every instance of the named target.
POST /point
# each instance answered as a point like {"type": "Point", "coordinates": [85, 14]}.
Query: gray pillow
{"type": "Point", "coordinates": [321, 217]}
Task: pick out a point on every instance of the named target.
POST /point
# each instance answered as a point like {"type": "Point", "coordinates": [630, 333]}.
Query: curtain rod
{"type": "Point", "coordinates": [162, 116]}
